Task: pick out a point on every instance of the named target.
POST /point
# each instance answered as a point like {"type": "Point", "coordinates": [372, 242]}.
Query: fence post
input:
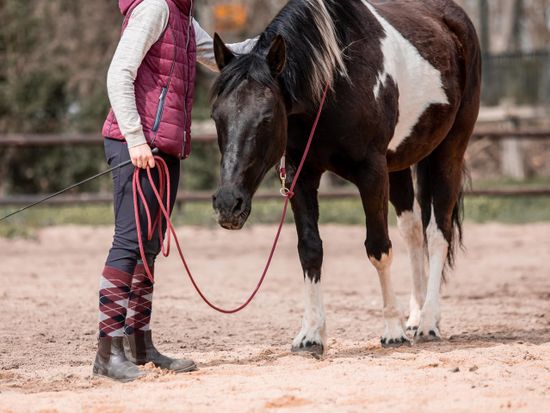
{"type": "Point", "coordinates": [512, 160]}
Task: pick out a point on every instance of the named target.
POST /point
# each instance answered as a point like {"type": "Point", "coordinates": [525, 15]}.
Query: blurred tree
{"type": "Point", "coordinates": [54, 56]}
{"type": "Point", "coordinates": [534, 22]}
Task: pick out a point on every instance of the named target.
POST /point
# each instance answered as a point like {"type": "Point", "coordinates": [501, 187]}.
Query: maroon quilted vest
{"type": "Point", "coordinates": [165, 83]}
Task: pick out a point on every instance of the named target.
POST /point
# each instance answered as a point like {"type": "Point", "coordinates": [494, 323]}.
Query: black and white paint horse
{"type": "Point", "coordinates": [404, 97]}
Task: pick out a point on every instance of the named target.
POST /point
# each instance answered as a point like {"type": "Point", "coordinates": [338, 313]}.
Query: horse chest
{"type": "Point", "coordinates": [419, 83]}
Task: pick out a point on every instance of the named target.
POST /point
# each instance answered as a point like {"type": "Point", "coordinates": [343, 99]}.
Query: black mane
{"type": "Point", "coordinates": [304, 43]}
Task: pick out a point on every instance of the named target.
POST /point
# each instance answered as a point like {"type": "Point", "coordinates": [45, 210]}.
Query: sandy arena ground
{"type": "Point", "coordinates": [496, 323]}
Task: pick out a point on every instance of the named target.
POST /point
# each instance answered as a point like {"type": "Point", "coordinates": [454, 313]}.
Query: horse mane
{"type": "Point", "coordinates": [314, 34]}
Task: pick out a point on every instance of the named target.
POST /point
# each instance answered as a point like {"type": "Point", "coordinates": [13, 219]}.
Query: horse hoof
{"type": "Point", "coordinates": [421, 337]}
{"type": "Point", "coordinates": [395, 342]}
{"type": "Point", "coordinates": [314, 349]}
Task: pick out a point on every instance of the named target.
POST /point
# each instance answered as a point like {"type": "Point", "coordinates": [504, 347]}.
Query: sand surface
{"type": "Point", "coordinates": [496, 324]}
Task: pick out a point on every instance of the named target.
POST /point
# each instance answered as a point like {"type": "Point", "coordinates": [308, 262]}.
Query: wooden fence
{"type": "Point", "coordinates": [29, 140]}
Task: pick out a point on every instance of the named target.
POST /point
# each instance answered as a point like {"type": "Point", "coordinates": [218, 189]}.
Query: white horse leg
{"type": "Point", "coordinates": [312, 336]}
{"type": "Point", "coordinates": [410, 227]}
{"type": "Point", "coordinates": [430, 315]}
{"type": "Point", "coordinates": [394, 334]}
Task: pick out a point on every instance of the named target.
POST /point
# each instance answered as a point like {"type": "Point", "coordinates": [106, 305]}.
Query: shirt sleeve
{"type": "Point", "coordinates": [205, 47]}
{"type": "Point", "coordinates": [145, 26]}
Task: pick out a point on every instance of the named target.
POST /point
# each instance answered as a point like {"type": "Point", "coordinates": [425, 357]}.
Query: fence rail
{"type": "Point", "coordinates": [31, 140]}
{"type": "Point", "coordinates": [206, 196]}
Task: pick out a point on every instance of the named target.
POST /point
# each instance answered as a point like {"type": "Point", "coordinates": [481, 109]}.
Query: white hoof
{"type": "Point", "coordinates": [394, 335]}
{"type": "Point", "coordinates": [428, 327]}
{"type": "Point", "coordinates": [414, 320]}
{"type": "Point", "coordinates": [311, 340]}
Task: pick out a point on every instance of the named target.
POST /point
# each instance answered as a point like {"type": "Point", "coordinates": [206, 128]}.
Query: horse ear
{"type": "Point", "coordinates": [276, 58]}
{"type": "Point", "coordinates": [223, 55]}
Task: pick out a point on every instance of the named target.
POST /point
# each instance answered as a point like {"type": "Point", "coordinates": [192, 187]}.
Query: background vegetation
{"type": "Point", "coordinates": [54, 56]}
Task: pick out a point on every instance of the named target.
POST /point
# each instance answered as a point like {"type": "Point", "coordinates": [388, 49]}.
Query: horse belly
{"type": "Point", "coordinates": [430, 130]}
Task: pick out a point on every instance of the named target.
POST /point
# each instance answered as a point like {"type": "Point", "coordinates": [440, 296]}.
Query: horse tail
{"type": "Point", "coordinates": [427, 172]}
{"type": "Point", "coordinates": [458, 21]}
{"type": "Point", "coordinates": [457, 218]}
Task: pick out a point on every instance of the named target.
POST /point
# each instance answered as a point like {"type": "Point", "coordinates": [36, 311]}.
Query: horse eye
{"type": "Point", "coordinates": [265, 120]}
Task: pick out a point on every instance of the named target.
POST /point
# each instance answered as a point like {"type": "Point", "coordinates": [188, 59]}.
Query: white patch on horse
{"type": "Point", "coordinates": [438, 248]}
{"type": "Point", "coordinates": [410, 228]}
{"type": "Point", "coordinates": [329, 59]}
{"type": "Point", "coordinates": [313, 331]}
{"type": "Point", "coordinates": [393, 318]}
{"type": "Point", "coordinates": [380, 80]}
{"type": "Point", "coordinates": [420, 84]}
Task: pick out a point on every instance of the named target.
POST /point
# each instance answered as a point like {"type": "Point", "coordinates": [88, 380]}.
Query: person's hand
{"type": "Point", "coordinates": [142, 156]}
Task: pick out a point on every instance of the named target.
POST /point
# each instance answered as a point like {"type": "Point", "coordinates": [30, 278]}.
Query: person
{"type": "Point", "coordinates": [150, 85]}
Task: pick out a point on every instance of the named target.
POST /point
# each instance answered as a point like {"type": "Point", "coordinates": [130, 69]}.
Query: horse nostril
{"type": "Point", "coordinates": [237, 209]}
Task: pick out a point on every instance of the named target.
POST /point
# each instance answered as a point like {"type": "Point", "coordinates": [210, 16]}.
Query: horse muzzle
{"type": "Point", "coordinates": [232, 206]}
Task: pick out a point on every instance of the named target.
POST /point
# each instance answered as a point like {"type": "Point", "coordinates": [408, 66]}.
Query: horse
{"type": "Point", "coordinates": [403, 80]}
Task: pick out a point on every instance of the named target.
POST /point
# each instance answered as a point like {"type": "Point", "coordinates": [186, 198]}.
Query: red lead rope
{"type": "Point", "coordinates": [163, 191]}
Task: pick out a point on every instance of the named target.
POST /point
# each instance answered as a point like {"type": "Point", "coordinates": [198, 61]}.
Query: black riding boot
{"type": "Point", "coordinates": [111, 361]}
{"type": "Point", "coordinates": [140, 350]}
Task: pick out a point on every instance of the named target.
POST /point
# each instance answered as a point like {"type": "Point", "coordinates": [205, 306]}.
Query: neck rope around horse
{"type": "Point", "coordinates": [163, 191]}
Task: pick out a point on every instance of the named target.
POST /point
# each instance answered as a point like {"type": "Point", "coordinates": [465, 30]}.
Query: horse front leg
{"type": "Point", "coordinates": [312, 335]}
{"type": "Point", "coordinates": [373, 183]}
{"type": "Point", "coordinates": [409, 222]}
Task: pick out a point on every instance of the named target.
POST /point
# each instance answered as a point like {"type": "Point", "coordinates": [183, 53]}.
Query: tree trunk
{"type": "Point", "coordinates": [513, 162]}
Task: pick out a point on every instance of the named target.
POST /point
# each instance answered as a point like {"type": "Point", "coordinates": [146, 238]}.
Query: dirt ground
{"type": "Point", "coordinates": [496, 323]}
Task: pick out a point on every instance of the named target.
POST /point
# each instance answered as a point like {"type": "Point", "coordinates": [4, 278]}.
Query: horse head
{"type": "Point", "coordinates": [250, 113]}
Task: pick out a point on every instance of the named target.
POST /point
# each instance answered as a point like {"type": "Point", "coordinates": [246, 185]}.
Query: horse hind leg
{"type": "Point", "coordinates": [440, 180]}
{"type": "Point", "coordinates": [409, 223]}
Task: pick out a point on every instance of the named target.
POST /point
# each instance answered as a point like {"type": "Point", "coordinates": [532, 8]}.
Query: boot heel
{"type": "Point", "coordinates": [140, 348]}
{"type": "Point", "coordinates": [111, 362]}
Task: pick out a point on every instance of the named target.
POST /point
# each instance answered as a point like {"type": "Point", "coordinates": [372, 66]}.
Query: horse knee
{"type": "Point", "coordinates": [311, 254]}
{"type": "Point", "coordinates": [378, 248]}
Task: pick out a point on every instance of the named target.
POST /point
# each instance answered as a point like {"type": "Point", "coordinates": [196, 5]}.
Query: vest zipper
{"type": "Point", "coordinates": [160, 108]}
{"type": "Point", "coordinates": [185, 113]}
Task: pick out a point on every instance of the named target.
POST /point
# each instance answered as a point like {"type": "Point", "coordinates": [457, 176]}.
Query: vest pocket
{"type": "Point", "coordinates": [160, 108]}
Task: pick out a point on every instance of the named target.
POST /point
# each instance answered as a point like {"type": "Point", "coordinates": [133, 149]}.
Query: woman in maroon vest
{"type": "Point", "coordinates": [150, 84]}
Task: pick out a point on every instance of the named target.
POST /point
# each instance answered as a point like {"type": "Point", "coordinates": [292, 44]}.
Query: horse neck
{"type": "Point", "coordinates": [313, 47]}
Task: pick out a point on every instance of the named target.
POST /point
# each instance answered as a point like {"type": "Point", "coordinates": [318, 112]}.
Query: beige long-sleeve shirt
{"type": "Point", "coordinates": [145, 26]}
